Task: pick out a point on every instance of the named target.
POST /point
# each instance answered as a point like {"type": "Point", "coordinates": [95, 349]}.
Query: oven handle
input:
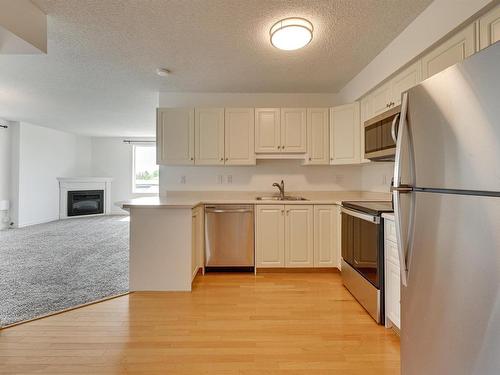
{"type": "Point", "coordinates": [360, 215]}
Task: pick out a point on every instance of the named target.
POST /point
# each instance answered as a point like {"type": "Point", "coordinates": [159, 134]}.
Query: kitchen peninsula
{"type": "Point", "coordinates": [167, 232]}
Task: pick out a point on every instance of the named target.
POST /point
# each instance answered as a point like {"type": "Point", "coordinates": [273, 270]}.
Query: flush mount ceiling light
{"type": "Point", "coordinates": [291, 33]}
{"type": "Point", "coordinates": [162, 72]}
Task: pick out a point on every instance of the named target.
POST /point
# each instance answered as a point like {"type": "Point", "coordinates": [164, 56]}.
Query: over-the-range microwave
{"type": "Point", "coordinates": [381, 134]}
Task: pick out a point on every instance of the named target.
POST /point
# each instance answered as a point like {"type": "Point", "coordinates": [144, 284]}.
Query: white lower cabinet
{"type": "Point", "coordinates": [326, 236]}
{"type": "Point", "coordinates": [299, 232]}
{"type": "Point", "coordinates": [392, 277]}
{"type": "Point", "coordinates": [298, 235]}
{"type": "Point", "coordinates": [270, 236]}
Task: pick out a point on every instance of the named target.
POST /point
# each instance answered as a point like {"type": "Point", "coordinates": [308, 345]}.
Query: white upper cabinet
{"type": "Point", "coordinates": [345, 134]}
{"type": "Point", "coordinates": [409, 77]}
{"type": "Point", "coordinates": [267, 130]}
{"type": "Point", "coordinates": [299, 241]}
{"type": "Point", "coordinates": [318, 138]}
{"type": "Point", "coordinates": [269, 236]}
{"type": "Point", "coordinates": [326, 236]}
{"type": "Point", "coordinates": [209, 136]}
{"type": "Point", "coordinates": [450, 52]}
{"type": "Point", "coordinates": [175, 136]}
{"type": "Point", "coordinates": [280, 130]}
{"type": "Point", "coordinates": [381, 99]}
{"type": "Point", "coordinates": [365, 115]}
{"type": "Point", "coordinates": [489, 28]}
{"type": "Point", "coordinates": [240, 138]}
{"type": "Point", "coordinates": [293, 130]}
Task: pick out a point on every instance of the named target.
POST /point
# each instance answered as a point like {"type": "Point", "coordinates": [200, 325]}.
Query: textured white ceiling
{"type": "Point", "coordinates": [98, 77]}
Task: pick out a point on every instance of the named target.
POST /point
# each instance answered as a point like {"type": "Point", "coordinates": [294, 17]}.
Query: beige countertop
{"type": "Point", "coordinates": [388, 215]}
{"type": "Point", "coordinates": [185, 199]}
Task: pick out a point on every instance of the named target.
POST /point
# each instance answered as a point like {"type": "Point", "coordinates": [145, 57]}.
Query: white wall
{"type": "Point", "coordinates": [40, 155]}
{"type": "Point", "coordinates": [376, 176]}
{"type": "Point", "coordinates": [5, 162]}
{"type": "Point", "coordinates": [261, 177]}
{"type": "Point", "coordinates": [435, 22]}
{"type": "Point", "coordinates": [111, 157]}
{"type": "Point", "coordinates": [169, 99]}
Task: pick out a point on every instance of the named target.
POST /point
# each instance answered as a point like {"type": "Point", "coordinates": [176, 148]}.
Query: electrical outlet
{"type": "Point", "coordinates": [384, 179]}
{"type": "Point", "coordinates": [183, 180]}
{"type": "Point", "coordinates": [229, 179]}
{"type": "Point", "coordinates": [219, 179]}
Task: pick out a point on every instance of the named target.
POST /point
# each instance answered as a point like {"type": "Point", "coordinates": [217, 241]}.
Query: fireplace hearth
{"type": "Point", "coordinates": [80, 196]}
{"type": "Point", "coordinates": [85, 202]}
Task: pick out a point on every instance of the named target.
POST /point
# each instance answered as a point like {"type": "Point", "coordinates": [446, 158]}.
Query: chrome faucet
{"type": "Point", "coordinates": [281, 188]}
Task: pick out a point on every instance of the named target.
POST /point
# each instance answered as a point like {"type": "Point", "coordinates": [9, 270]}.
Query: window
{"type": "Point", "coordinates": [145, 170]}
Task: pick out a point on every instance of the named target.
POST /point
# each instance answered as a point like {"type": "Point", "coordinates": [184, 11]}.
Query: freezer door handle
{"type": "Point", "coordinates": [404, 244]}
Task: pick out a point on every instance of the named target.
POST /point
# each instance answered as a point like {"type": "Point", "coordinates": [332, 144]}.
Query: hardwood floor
{"type": "Point", "coordinates": [272, 323]}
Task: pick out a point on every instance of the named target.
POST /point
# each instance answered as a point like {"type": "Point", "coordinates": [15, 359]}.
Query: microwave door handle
{"type": "Point", "coordinates": [393, 128]}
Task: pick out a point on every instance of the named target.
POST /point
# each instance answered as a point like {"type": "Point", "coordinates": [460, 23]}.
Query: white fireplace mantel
{"type": "Point", "coordinates": [83, 183]}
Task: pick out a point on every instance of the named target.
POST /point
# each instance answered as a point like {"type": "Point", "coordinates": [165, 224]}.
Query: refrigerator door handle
{"type": "Point", "coordinates": [404, 245]}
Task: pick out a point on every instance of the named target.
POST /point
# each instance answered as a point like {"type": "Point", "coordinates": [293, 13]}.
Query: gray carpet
{"type": "Point", "coordinates": [50, 267]}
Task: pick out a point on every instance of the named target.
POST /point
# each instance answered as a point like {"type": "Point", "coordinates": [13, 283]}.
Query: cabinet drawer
{"type": "Point", "coordinates": [391, 252]}
{"type": "Point", "coordinates": [390, 230]}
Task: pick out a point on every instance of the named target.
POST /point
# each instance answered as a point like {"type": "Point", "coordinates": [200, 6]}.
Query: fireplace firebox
{"type": "Point", "coordinates": [85, 202]}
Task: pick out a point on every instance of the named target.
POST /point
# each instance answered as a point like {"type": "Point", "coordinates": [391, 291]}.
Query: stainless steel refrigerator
{"type": "Point", "coordinates": [447, 207]}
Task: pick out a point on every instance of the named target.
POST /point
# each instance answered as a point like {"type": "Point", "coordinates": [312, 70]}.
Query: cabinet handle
{"type": "Point", "coordinates": [282, 212]}
{"type": "Point", "coordinates": [279, 147]}
{"type": "Point", "coordinates": [227, 159]}
{"type": "Point", "coordinates": [221, 159]}
{"type": "Point", "coordinates": [282, 147]}
{"type": "Point", "coordinates": [287, 212]}
{"type": "Point", "coordinates": [310, 159]}
{"type": "Point", "coordinates": [192, 158]}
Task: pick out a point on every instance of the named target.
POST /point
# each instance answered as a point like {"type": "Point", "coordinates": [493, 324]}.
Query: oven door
{"type": "Point", "coordinates": [362, 246]}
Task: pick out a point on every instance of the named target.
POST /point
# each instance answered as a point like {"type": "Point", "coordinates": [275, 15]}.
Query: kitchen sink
{"type": "Point", "coordinates": [278, 198]}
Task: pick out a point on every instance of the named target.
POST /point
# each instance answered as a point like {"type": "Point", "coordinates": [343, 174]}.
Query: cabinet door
{"type": "Point", "coordinates": [325, 236]}
{"type": "Point", "coordinates": [209, 136]}
{"type": "Point", "coordinates": [318, 137]}
{"type": "Point", "coordinates": [239, 132]}
{"type": "Point", "coordinates": [392, 290]}
{"type": "Point", "coordinates": [293, 130]}
{"type": "Point", "coordinates": [450, 52]}
{"type": "Point", "coordinates": [381, 99]}
{"type": "Point", "coordinates": [269, 236]}
{"type": "Point", "coordinates": [489, 28]}
{"type": "Point", "coordinates": [175, 136]}
{"type": "Point", "coordinates": [344, 134]}
{"type": "Point", "coordinates": [267, 130]}
{"type": "Point", "coordinates": [405, 80]}
{"type": "Point", "coordinates": [299, 242]}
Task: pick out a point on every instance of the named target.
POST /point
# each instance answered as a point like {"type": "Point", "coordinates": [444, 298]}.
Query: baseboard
{"type": "Point", "coordinates": [30, 223]}
{"type": "Point", "coordinates": [299, 270]}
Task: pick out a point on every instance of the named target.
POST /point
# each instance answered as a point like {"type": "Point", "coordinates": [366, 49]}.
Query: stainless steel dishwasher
{"type": "Point", "coordinates": [229, 236]}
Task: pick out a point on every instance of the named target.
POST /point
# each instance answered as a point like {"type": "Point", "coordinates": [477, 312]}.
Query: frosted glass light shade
{"type": "Point", "coordinates": [291, 33]}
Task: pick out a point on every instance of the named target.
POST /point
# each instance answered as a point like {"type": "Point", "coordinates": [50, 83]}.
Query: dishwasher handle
{"type": "Point", "coordinates": [227, 210]}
